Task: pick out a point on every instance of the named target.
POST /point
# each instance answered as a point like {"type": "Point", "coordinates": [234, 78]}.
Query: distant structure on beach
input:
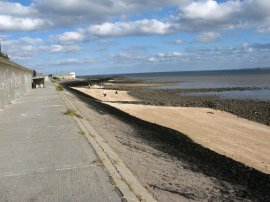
{"type": "Point", "coordinates": [39, 79]}
{"type": "Point", "coordinates": [70, 75]}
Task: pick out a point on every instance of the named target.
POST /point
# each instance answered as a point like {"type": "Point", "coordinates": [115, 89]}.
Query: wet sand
{"type": "Point", "coordinates": [249, 109]}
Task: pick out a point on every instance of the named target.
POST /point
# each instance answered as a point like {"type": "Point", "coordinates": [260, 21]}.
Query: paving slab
{"type": "Point", "coordinates": [43, 155]}
{"type": "Point", "coordinates": [60, 185]}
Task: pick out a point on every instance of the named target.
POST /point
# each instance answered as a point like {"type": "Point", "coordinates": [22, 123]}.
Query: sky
{"type": "Point", "coordinates": [93, 37]}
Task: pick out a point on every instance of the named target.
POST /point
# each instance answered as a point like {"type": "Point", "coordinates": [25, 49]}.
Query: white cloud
{"type": "Point", "coordinates": [56, 48]}
{"type": "Point", "coordinates": [200, 15]}
{"type": "Point", "coordinates": [138, 27]}
{"type": "Point", "coordinates": [264, 28]}
{"type": "Point", "coordinates": [107, 18]}
{"type": "Point", "coordinates": [3, 37]}
{"type": "Point", "coordinates": [204, 15]}
{"type": "Point", "coordinates": [16, 17]}
{"type": "Point", "coordinates": [152, 59]}
{"type": "Point", "coordinates": [23, 48]}
{"type": "Point", "coordinates": [68, 61]}
{"type": "Point", "coordinates": [72, 48]}
{"type": "Point", "coordinates": [247, 48]}
{"type": "Point", "coordinates": [178, 42]}
{"type": "Point", "coordinates": [26, 48]}
{"type": "Point", "coordinates": [70, 37]}
{"type": "Point", "coordinates": [15, 9]}
{"type": "Point", "coordinates": [130, 58]}
{"type": "Point", "coordinates": [96, 11]}
{"type": "Point", "coordinates": [208, 36]}
{"type": "Point", "coordinates": [166, 57]}
{"type": "Point", "coordinates": [9, 23]}
{"type": "Point", "coordinates": [62, 48]}
{"type": "Point", "coordinates": [209, 10]}
{"type": "Point", "coordinates": [209, 14]}
{"type": "Point", "coordinates": [32, 41]}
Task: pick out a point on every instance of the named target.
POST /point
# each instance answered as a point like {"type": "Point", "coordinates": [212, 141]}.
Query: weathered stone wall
{"type": "Point", "coordinates": [15, 81]}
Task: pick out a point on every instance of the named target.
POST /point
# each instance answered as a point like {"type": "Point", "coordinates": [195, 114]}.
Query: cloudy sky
{"type": "Point", "coordinates": [124, 36]}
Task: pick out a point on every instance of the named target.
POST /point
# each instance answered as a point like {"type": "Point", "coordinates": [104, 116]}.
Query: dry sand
{"type": "Point", "coordinates": [240, 139]}
{"type": "Point", "coordinates": [170, 174]}
{"type": "Point", "coordinates": [98, 94]}
{"type": "Point", "coordinates": [169, 178]}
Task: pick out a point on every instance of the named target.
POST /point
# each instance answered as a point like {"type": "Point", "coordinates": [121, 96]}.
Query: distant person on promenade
{"type": "Point", "coordinates": [104, 93]}
{"type": "Point", "coordinates": [116, 93]}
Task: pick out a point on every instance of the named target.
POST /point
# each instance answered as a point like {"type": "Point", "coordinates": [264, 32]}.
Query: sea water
{"type": "Point", "coordinates": [246, 78]}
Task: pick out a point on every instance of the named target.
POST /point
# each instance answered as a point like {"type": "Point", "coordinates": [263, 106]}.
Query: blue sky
{"type": "Point", "coordinates": [125, 36]}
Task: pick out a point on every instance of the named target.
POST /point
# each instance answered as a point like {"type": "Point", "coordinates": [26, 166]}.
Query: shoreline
{"type": "Point", "coordinates": [249, 109]}
{"type": "Point", "coordinates": [254, 110]}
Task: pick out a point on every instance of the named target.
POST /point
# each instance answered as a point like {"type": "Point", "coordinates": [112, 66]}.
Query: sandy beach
{"type": "Point", "coordinates": [240, 139]}
{"type": "Point", "coordinates": [110, 94]}
{"type": "Point", "coordinates": [178, 153]}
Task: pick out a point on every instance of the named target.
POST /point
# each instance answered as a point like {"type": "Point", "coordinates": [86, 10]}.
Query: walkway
{"type": "Point", "coordinates": [43, 155]}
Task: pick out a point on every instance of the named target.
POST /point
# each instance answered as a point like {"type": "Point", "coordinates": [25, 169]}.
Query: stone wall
{"type": "Point", "coordinates": [15, 80]}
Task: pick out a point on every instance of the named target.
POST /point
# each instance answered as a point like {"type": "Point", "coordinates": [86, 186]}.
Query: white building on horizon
{"type": "Point", "coordinates": [72, 75]}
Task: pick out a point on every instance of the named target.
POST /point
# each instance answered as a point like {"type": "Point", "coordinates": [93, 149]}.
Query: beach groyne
{"type": "Point", "coordinates": [15, 80]}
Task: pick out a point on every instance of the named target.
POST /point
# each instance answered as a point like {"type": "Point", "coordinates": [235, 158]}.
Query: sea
{"type": "Point", "coordinates": [257, 79]}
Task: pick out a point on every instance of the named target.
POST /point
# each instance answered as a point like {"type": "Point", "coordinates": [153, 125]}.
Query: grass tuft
{"type": "Point", "coordinates": [116, 161]}
{"type": "Point", "coordinates": [72, 112]}
{"type": "Point", "coordinates": [59, 88]}
{"type": "Point", "coordinates": [82, 133]}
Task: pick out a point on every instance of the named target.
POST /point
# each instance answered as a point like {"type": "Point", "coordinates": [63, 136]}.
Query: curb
{"type": "Point", "coordinates": [125, 182]}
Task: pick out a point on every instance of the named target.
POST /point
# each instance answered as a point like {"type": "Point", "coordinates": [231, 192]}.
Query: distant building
{"type": "Point", "coordinates": [70, 75]}
{"type": "Point", "coordinates": [39, 80]}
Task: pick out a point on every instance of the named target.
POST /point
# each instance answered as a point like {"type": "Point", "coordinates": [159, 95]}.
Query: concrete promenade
{"type": "Point", "coordinates": [43, 155]}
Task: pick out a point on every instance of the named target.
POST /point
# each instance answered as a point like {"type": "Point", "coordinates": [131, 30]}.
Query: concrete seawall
{"type": "Point", "coordinates": [15, 80]}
